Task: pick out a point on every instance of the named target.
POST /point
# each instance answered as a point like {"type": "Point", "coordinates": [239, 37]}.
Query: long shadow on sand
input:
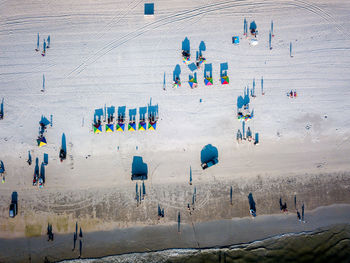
{"type": "Point", "coordinates": [132, 115]}
{"type": "Point", "coordinates": [63, 143]}
{"type": "Point", "coordinates": [176, 72]}
{"type": "Point", "coordinates": [186, 44]}
{"type": "Point", "coordinates": [251, 202]}
{"type": "Point", "coordinates": [139, 169]}
{"type": "Point", "coordinates": [208, 70]}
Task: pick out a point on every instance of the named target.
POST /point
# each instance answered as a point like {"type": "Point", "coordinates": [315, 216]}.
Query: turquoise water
{"type": "Point", "coordinates": [328, 245]}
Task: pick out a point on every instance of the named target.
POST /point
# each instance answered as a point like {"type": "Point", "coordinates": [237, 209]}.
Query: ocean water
{"type": "Point", "coordinates": [326, 245]}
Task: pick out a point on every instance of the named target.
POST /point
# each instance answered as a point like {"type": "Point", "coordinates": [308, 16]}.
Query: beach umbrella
{"type": "Point", "coordinates": [208, 81]}
{"type": "Point", "coordinates": [186, 60]}
{"type": "Point", "coordinates": [97, 128]}
{"type": "Point", "coordinates": [225, 80]}
{"type": "Point", "coordinates": [132, 126]}
{"type": "Point", "coordinates": [177, 83]}
{"type": "Point", "coordinates": [109, 128]}
{"type": "Point", "coordinates": [152, 126]}
{"type": "Point", "coordinates": [120, 126]}
{"type": "Point", "coordinates": [41, 141]}
{"type": "Point", "coordinates": [142, 126]}
{"type": "Point", "coordinates": [201, 60]}
{"type": "Point", "coordinates": [193, 83]}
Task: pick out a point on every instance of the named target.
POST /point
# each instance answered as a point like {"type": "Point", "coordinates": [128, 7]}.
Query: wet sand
{"type": "Point", "coordinates": [151, 238]}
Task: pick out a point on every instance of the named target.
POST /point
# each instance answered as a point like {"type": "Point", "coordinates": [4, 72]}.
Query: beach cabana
{"type": "Point", "coordinates": [142, 126]}
{"type": "Point", "coordinates": [225, 80]}
{"type": "Point", "coordinates": [120, 126]}
{"type": "Point", "coordinates": [152, 126]}
{"type": "Point", "coordinates": [110, 127]}
{"type": "Point", "coordinates": [97, 128]}
{"type": "Point", "coordinates": [41, 141]}
{"type": "Point", "coordinates": [208, 81]}
{"type": "Point", "coordinates": [193, 83]}
{"type": "Point", "coordinates": [132, 126]}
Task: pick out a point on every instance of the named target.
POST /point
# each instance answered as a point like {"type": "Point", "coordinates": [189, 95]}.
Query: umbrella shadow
{"type": "Point", "coordinates": [110, 113]}
{"type": "Point", "coordinates": [152, 111]}
{"type": "Point", "coordinates": [252, 26]}
{"type": "Point", "coordinates": [251, 202]}
{"type": "Point", "coordinates": [202, 47]}
{"type": "Point", "coordinates": [208, 153]}
{"type": "Point", "coordinates": [208, 70]}
{"type": "Point", "coordinates": [63, 143]}
{"type": "Point", "coordinates": [14, 197]}
{"type": "Point", "coordinates": [42, 172]}
{"type": "Point", "coordinates": [240, 102]}
{"type": "Point", "coordinates": [192, 66]}
{"type": "Point", "coordinates": [44, 121]}
{"type": "Point", "coordinates": [223, 69]}
{"type": "Point", "coordinates": [186, 44]}
{"type": "Point", "coordinates": [97, 115]}
{"type": "Point", "coordinates": [121, 112]}
{"type": "Point", "coordinates": [142, 113]}
{"type": "Point", "coordinates": [176, 72]}
{"type": "Point", "coordinates": [132, 115]}
{"type": "Point", "coordinates": [139, 169]}
{"type": "Point", "coordinates": [2, 108]}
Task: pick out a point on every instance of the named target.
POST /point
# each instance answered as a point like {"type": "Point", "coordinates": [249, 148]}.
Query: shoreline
{"type": "Point", "coordinates": [212, 234]}
{"type": "Point", "coordinates": [175, 252]}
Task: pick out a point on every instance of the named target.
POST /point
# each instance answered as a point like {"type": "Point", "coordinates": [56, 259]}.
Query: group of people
{"type": "Point", "coordinates": [292, 94]}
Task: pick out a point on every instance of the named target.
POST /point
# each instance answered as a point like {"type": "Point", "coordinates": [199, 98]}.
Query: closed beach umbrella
{"type": "Point", "coordinates": [208, 81]}
{"type": "Point", "coordinates": [152, 126]}
{"type": "Point", "coordinates": [120, 126]}
{"type": "Point", "coordinates": [132, 126]}
{"type": "Point", "coordinates": [225, 80]}
{"type": "Point", "coordinates": [109, 128]}
{"type": "Point", "coordinates": [97, 128]}
{"type": "Point", "coordinates": [41, 141]}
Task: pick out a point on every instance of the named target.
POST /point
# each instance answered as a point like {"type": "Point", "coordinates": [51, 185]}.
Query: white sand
{"type": "Point", "coordinates": [108, 53]}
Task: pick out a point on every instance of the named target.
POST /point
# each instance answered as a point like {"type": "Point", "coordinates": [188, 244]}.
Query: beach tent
{"type": "Point", "coordinates": [208, 81]}
{"type": "Point", "coordinates": [41, 141]}
{"type": "Point", "coordinates": [235, 40]}
{"type": "Point", "coordinates": [132, 126]}
{"type": "Point", "coordinates": [193, 83]}
{"type": "Point", "coordinates": [120, 126]}
{"type": "Point", "coordinates": [97, 128]}
{"type": "Point", "coordinates": [152, 126]}
{"type": "Point", "coordinates": [142, 126]}
{"type": "Point", "coordinates": [225, 80]}
{"type": "Point", "coordinates": [109, 127]}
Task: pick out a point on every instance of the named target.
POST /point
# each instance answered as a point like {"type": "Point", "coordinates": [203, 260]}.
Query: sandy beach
{"type": "Point", "coordinates": [108, 55]}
